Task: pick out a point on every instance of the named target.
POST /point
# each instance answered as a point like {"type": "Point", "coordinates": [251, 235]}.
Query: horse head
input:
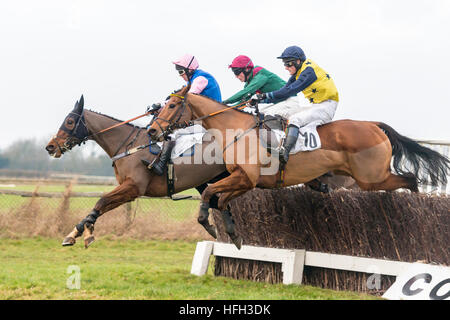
{"type": "Point", "coordinates": [175, 114]}
{"type": "Point", "coordinates": [73, 131]}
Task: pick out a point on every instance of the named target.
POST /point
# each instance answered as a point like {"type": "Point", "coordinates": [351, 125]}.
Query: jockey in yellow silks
{"type": "Point", "coordinates": [316, 85]}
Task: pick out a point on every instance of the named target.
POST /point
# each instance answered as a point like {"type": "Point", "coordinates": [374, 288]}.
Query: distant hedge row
{"type": "Point", "coordinates": [388, 225]}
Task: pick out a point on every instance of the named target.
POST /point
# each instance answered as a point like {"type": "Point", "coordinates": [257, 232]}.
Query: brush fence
{"type": "Point", "coordinates": [336, 240]}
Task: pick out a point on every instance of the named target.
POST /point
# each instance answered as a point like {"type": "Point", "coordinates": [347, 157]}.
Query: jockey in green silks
{"type": "Point", "coordinates": [257, 79]}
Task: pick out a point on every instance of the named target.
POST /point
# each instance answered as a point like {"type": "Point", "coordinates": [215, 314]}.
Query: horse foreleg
{"type": "Point", "coordinates": [230, 187]}
{"type": "Point", "coordinates": [126, 192]}
{"type": "Point", "coordinates": [203, 215]}
{"type": "Point", "coordinates": [228, 218]}
{"type": "Point", "coordinates": [234, 185]}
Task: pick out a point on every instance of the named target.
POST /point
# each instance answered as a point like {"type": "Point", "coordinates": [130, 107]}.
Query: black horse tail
{"type": "Point", "coordinates": [427, 165]}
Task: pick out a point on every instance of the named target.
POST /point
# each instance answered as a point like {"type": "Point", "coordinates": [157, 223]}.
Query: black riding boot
{"type": "Point", "coordinates": [289, 143]}
{"type": "Point", "coordinates": [159, 165]}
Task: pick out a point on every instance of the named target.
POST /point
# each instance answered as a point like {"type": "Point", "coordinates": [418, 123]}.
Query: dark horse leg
{"type": "Point", "coordinates": [126, 192]}
{"type": "Point", "coordinates": [213, 202]}
{"type": "Point", "coordinates": [228, 218]}
{"type": "Point", "coordinates": [230, 187]}
{"type": "Point", "coordinates": [318, 185]}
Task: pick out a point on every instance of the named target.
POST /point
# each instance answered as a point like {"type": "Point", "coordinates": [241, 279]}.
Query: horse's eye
{"type": "Point", "coordinates": [172, 105]}
{"type": "Point", "coordinates": [70, 121]}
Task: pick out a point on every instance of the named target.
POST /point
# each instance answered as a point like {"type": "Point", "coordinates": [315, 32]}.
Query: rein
{"type": "Point", "coordinates": [74, 139]}
{"type": "Point", "coordinates": [176, 125]}
{"type": "Point", "coordinates": [116, 125]}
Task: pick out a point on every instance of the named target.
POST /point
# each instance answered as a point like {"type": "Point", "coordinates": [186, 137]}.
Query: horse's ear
{"type": "Point", "coordinates": [79, 106]}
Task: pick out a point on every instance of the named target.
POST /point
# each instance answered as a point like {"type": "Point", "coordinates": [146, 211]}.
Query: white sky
{"type": "Point", "coordinates": [389, 59]}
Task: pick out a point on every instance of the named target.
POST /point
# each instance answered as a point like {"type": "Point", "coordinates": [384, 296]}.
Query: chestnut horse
{"type": "Point", "coordinates": [360, 149]}
{"type": "Point", "coordinates": [134, 178]}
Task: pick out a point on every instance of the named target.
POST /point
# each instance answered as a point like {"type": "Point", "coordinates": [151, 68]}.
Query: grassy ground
{"type": "Point", "coordinates": [37, 268]}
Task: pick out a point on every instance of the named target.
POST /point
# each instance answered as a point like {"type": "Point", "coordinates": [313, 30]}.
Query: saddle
{"type": "Point", "coordinates": [275, 122]}
{"type": "Point", "coordinates": [269, 123]}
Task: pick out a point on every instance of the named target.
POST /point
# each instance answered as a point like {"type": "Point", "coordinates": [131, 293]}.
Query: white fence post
{"type": "Point", "coordinates": [292, 267]}
{"type": "Point", "coordinates": [201, 257]}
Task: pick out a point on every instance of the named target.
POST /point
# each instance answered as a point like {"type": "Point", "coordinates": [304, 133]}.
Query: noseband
{"type": "Point", "coordinates": [172, 125]}
{"type": "Point", "coordinates": [78, 135]}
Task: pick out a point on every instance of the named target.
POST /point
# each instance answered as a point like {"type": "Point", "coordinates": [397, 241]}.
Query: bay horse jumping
{"type": "Point", "coordinates": [134, 178]}
{"type": "Point", "coordinates": [360, 149]}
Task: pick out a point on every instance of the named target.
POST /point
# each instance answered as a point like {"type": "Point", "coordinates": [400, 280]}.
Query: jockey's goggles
{"type": "Point", "coordinates": [289, 63]}
{"type": "Point", "coordinates": [181, 70]}
{"type": "Point", "coordinates": [237, 71]}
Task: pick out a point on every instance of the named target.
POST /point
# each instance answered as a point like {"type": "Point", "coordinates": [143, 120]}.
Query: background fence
{"type": "Point", "coordinates": [52, 208]}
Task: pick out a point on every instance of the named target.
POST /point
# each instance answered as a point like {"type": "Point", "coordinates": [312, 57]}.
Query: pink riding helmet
{"type": "Point", "coordinates": [187, 61]}
{"type": "Point", "coordinates": [241, 62]}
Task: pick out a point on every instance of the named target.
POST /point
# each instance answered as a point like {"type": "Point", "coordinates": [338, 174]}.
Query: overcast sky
{"type": "Point", "coordinates": [389, 59]}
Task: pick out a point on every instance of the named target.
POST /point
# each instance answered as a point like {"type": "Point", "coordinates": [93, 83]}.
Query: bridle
{"type": "Point", "coordinates": [172, 125]}
{"type": "Point", "coordinates": [80, 133]}
{"type": "Point", "coordinates": [76, 136]}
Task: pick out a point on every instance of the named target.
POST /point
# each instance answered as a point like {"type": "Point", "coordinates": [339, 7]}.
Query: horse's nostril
{"type": "Point", "coordinates": [151, 131]}
{"type": "Point", "coordinates": [50, 147]}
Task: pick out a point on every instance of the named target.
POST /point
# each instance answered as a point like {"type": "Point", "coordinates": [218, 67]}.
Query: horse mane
{"type": "Point", "coordinates": [224, 105]}
{"type": "Point", "coordinates": [115, 119]}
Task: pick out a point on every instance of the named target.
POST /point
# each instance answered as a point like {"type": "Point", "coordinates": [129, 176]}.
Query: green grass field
{"type": "Point", "coordinates": [37, 268]}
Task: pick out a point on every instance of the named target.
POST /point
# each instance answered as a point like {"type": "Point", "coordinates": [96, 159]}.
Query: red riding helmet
{"type": "Point", "coordinates": [241, 62]}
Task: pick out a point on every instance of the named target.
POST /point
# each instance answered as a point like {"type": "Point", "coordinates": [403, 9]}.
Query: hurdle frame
{"type": "Point", "coordinates": [293, 260]}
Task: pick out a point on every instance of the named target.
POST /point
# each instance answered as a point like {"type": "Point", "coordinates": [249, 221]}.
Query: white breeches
{"type": "Point", "coordinates": [299, 116]}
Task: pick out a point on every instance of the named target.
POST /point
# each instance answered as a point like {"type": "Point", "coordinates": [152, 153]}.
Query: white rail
{"type": "Point", "coordinates": [293, 261]}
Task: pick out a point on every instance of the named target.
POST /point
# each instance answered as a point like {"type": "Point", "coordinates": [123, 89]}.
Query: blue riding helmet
{"type": "Point", "coordinates": [293, 52]}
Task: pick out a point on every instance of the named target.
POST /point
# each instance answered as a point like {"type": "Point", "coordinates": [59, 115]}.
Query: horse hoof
{"type": "Point", "coordinates": [69, 241]}
{"type": "Point", "coordinates": [237, 240]}
{"type": "Point", "coordinates": [212, 231]}
{"type": "Point", "coordinates": [88, 241]}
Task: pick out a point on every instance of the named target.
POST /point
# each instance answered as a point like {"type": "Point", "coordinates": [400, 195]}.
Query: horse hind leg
{"type": "Point", "coordinates": [393, 182]}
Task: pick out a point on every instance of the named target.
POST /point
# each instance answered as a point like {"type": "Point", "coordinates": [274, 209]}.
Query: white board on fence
{"type": "Point", "coordinates": [421, 282]}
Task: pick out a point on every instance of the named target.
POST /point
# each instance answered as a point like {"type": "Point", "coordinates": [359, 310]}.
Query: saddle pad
{"type": "Point", "coordinates": [308, 139]}
{"type": "Point", "coordinates": [185, 140]}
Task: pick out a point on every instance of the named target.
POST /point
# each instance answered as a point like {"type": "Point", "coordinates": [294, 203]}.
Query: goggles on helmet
{"type": "Point", "coordinates": [181, 70]}
{"type": "Point", "coordinates": [237, 71]}
{"type": "Point", "coordinates": [289, 62]}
